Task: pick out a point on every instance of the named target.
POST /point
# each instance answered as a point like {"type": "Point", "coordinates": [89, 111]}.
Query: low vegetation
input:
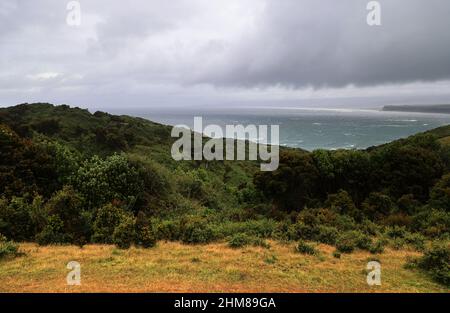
{"type": "Point", "coordinates": [215, 267]}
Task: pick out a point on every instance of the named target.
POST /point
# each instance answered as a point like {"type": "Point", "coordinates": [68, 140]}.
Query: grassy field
{"type": "Point", "coordinates": [173, 267]}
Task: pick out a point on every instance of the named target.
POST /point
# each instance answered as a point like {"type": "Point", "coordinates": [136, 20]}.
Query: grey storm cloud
{"type": "Point", "coordinates": [328, 43]}
{"type": "Point", "coordinates": [216, 49]}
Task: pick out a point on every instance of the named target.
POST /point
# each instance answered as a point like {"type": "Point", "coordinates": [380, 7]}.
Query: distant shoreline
{"type": "Point", "coordinates": [441, 108]}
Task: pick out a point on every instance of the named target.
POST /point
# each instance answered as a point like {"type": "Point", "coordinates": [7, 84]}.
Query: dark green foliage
{"type": "Point", "coordinates": [68, 206]}
{"type": "Point", "coordinates": [397, 219]}
{"type": "Point", "coordinates": [293, 184]}
{"type": "Point", "coordinates": [396, 232]}
{"type": "Point", "coordinates": [342, 203]}
{"type": "Point", "coordinates": [440, 194]}
{"type": "Point", "coordinates": [107, 218]}
{"type": "Point", "coordinates": [48, 126]}
{"type": "Point", "coordinates": [327, 234]}
{"type": "Point", "coordinates": [167, 230]}
{"type": "Point", "coordinates": [25, 168]}
{"type": "Point", "coordinates": [377, 247]}
{"type": "Point", "coordinates": [196, 230]}
{"type": "Point", "coordinates": [124, 233]}
{"type": "Point", "coordinates": [436, 262]}
{"type": "Point", "coordinates": [347, 242]}
{"type": "Point", "coordinates": [408, 204]}
{"type": "Point", "coordinates": [377, 206]}
{"type": "Point", "coordinates": [305, 248]}
{"type": "Point", "coordinates": [432, 223]}
{"type": "Point", "coordinates": [7, 248]}
{"type": "Point", "coordinates": [416, 240]}
{"type": "Point", "coordinates": [53, 232]}
{"type": "Point", "coordinates": [410, 166]}
{"type": "Point", "coordinates": [15, 219]}
{"type": "Point", "coordinates": [239, 241]}
{"type": "Point", "coordinates": [145, 236]}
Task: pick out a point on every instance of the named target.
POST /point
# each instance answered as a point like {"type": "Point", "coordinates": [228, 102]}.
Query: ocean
{"type": "Point", "coordinates": [309, 128]}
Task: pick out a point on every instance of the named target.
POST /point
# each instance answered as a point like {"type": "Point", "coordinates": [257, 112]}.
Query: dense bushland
{"type": "Point", "coordinates": [71, 177]}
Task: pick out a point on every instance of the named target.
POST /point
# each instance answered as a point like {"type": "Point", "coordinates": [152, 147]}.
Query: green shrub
{"type": "Point", "coordinates": [369, 228]}
{"type": "Point", "coordinates": [416, 240]}
{"type": "Point", "coordinates": [398, 243]}
{"type": "Point", "coordinates": [377, 247]}
{"type": "Point", "coordinates": [7, 248]}
{"type": "Point", "coordinates": [440, 194]}
{"type": "Point", "coordinates": [259, 242]}
{"type": "Point", "coordinates": [69, 207]}
{"type": "Point", "coordinates": [344, 223]}
{"type": "Point", "coordinates": [167, 230]}
{"type": "Point", "coordinates": [377, 206]}
{"type": "Point", "coordinates": [15, 219]}
{"type": "Point", "coordinates": [342, 203]}
{"type": "Point", "coordinates": [196, 230]}
{"type": "Point", "coordinates": [101, 181]}
{"type": "Point", "coordinates": [396, 232]}
{"type": "Point", "coordinates": [346, 242]}
{"type": "Point", "coordinates": [302, 231]}
{"type": "Point", "coordinates": [124, 233]}
{"type": "Point", "coordinates": [107, 218]}
{"type": "Point", "coordinates": [432, 223]}
{"type": "Point", "coordinates": [436, 262]}
{"type": "Point", "coordinates": [305, 248]}
{"type": "Point", "coordinates": [239, 241]}
{"type": "Point", "coordinates": [398, 219]}
{"type": "Point", "coordinates": [145, 235]}
{"type": "Point", "coordinates": [363, 241]}
{"type": "Point", "coordinates": [53, 232]}
{"type": "Point", "coordinates": [327, 234]}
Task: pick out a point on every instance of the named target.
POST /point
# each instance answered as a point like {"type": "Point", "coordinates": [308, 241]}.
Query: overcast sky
{"type": "Point", "coordinates": [141, 53]}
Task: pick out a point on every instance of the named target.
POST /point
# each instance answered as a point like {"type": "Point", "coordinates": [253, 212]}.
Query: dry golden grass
{"type": "Point", "coordinates": [173, 267]}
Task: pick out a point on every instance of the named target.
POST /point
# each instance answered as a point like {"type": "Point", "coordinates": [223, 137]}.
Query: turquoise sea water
{"type": "Point", "coordinates": [311, 128]}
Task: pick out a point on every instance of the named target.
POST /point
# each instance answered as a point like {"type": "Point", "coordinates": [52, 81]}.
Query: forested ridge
{"type": "Point", "coordinates": [71, 177]}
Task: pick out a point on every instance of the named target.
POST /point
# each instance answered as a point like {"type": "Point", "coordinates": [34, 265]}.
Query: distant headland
{"type": "Point", "coordinates": [439, 108]}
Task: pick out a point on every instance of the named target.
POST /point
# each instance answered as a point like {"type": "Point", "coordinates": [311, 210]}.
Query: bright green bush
{"type": "Point", "coordinates": [101, 181]}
